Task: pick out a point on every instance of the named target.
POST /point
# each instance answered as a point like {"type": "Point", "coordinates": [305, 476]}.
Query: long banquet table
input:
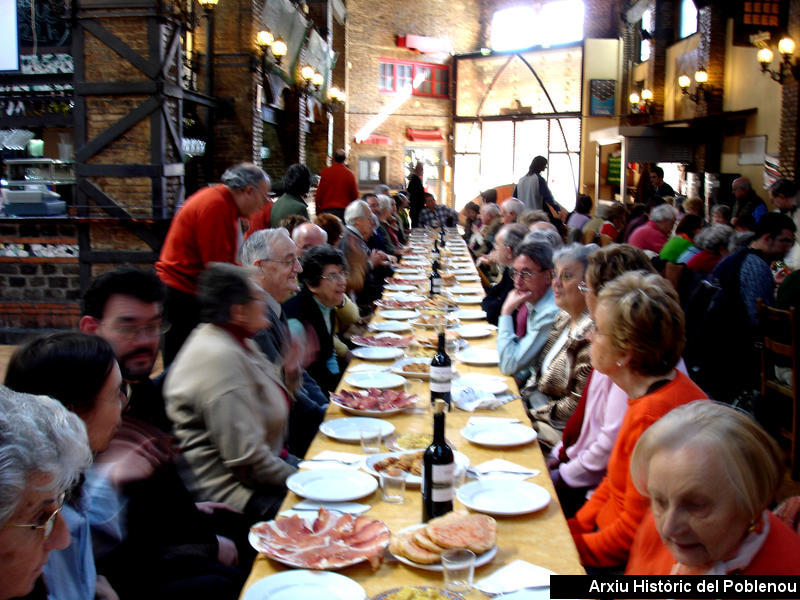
{"type": "Point", "coordinates": [541, 537]}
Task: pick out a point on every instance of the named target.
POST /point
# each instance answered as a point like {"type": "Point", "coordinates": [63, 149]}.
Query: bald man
{"type": "Point", "coordinates": [306, 235]}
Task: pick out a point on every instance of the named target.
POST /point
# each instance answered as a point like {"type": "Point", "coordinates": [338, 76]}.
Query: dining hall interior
{"type": "Point", "coordinates": [371, 300]}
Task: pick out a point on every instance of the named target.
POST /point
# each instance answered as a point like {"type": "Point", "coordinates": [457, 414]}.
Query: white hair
{"type": "Point", "coordinates": [38, 436]}
{"type": "Point", "coordinates": [259, 245]}
{"type": "Point", "coordinates": [662, 212]}
{"type": "Point", "coordinates": [385, 203]}
{"type": "Point", "coordinates": [513, 205]}
{"type": "Point", "coordinates": [243, 175]}
{"type": "Point", "coordinates": [491, 209]}
{"type": "Point", "coordinates": [354, 210]}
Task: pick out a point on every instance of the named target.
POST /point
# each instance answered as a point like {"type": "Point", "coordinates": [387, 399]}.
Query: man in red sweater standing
{"type": "Point", "coordinates": [205, 229]}
{"type": "Point", "coordinates": [337, 187]}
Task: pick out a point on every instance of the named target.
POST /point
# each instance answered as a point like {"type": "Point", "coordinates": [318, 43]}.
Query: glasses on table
{"type": "Point", "coordinates": [46, 522]}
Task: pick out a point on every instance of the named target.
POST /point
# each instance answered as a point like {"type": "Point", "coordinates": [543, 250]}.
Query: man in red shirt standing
{"type": "Point", "coordinates": [205, 229]}
{"type": "Point", "coordinates": [337, 187]}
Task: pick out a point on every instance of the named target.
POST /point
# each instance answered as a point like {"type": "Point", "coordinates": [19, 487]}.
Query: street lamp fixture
{"type": "Point", "coordinates": [786, 48]}
{"type": "Point", "coordinates": [701, 78]}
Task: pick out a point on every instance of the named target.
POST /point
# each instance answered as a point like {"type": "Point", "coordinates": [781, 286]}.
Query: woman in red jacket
{"type": "Point", "coordinates": [637, 341]}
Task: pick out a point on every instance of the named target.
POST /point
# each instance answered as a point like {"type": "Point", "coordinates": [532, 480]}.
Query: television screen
{"type": "Point", "coordinates": [9, 41]}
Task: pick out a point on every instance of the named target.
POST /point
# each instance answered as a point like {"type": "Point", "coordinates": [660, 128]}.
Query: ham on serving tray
{"type": "Point", "coordinates": [374, 399]}
{"type": "Point", "coordinates": [382, 341]}
{"type": "Point", "coordinates": [331, 541]}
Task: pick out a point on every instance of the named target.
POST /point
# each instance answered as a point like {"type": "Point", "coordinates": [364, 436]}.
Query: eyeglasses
{"type": "Point", "coordinates": [132, 332]}
{"type": "Point", "coordinates": [524, 274]}
{"type": "Point", "coordinates": [47, 523]}
{"type": "Point", "coordinates": [284, 261]}
{"type": "Point", "coordinates": [583, 288]}
{"type": "Point", "coordinates": [335, 277]}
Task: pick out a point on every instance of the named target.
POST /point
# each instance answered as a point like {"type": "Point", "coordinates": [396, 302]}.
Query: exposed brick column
{"type": "Point", "coordinates": [338, 79]}
{"type": "Point", "coordinates": [663, 37]}
{"type": "Point", "coordinates": [790, 109]}
{"type": "Point", "coordinates": [711, 55]}
{"type": "Point", "coordinates": [602, 18]}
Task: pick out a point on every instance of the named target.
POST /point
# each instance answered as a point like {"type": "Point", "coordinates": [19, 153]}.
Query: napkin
{"type": "Point", "coordinates": [490, 421]}
{"type": "Point", "coordinates": [490, 467]}
{"type": "Point", "coordinates": [320, 461]}
{"type": "Point", "coordinates": [470, 399]}
{"type": "Point", "coordinates": [514, 576]}
{"type": "Point", "coordinates": [306, 508]}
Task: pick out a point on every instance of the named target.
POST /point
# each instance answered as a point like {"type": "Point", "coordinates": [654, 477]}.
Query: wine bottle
{"type": "Point", "coordinates": [436, 279]}
{"type": "Point", "coordinates": [441, 373]}
{"type": "Point", "coordinates": [442, 237]}
{"type": "Point", "coordinates": [438, 467]}
{"type": "Point", "coordinates": [435, 254]}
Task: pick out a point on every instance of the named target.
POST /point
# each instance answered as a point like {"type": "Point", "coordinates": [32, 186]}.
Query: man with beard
{"type": "Point", "coordinates": [184, 548]}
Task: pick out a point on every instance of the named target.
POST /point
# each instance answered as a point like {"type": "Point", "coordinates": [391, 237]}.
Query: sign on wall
{"type": "Point", "coordinates": [9, 42]}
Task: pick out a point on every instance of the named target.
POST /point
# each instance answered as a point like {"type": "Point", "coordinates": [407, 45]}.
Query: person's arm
{"type": "Point", "coordinates": [756, 282]}
{"type": "Point", "coordinates": [517, 354]}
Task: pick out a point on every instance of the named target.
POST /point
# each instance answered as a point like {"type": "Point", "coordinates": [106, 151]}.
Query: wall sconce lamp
{"type": "Point", "coordinates": [336, 98]}
{"type": "Point", "coordinates": [641, 102]}
{"type": "Point", "coordinates": [266, 42]}
{"type": "Point", "coordinates": [701, 78]}
{"type": "Point", "coordinates": [786, 47]}
{"type": "Point", "coordinates": [307, 74]}
{"type": "Point", "coordinates": [208, 6]}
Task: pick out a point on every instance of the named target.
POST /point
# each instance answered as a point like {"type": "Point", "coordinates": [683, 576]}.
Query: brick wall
{"type": "Point", "coordinates": [790, 109]}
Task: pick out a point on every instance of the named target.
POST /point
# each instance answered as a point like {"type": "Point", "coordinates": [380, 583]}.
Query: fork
{"type": "Point", "coordinates": [530, 587]}
{"type": "Point", "coordinates": [350, 462]}
{"type": "Point", "coordinates": [478, 474]}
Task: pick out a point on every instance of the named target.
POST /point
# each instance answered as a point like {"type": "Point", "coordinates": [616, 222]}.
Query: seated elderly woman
{"type": "Point", "coordinates": [712, 245]}
{"type": "Point", "coordinates": [228, 402]}
{"type": "Point", "coordinates": [578, 462]}
{"type": "Point", "coordinates": [556, 383]}
{"type": "Point", "coordinates": [311, 312]}
{"type": "Point", "coordinates": [710, 472]}
{"type": "Point", "coordinates": [44, 450]}
{"type": "Point", "coordinates": [80, 371]}
{"type": "Point", "coordinates": [637, 340]}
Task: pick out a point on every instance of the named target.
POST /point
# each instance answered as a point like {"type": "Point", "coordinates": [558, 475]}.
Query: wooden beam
{"type": "Point", "coordinates": [115, 88]}
{"type": "Point", "coordinates": [118, 256]}
{"type": "Point", "coordinates": [174, 137]}
{"type": "Point", "coordinates": [172, 49]}
{"type": "Point", "coordinates": [117, 129]}
{"type": "Point", "coordinates": [102, 199]}
{"type": "Point", "coordinates": [117, 45]}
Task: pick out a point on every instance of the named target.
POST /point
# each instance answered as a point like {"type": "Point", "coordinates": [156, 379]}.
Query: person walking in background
{"type": "Point", "coordinates": [206, 229]}
{"type": "Point", "coordinates": [416, 194]}
{"type": "Point", "coordinates": [337, 187]}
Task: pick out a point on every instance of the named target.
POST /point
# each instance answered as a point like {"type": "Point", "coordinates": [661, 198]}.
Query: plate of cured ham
{"type": "Point", "coordinates": [329, 540]}
{"type": "Point", "coordinates": [383, 340]}
{"type": "Point", "coordinates": [373, 402]}
{"type": "Point", "coordinates": [401, 302]}
{"type": "Point", "coordinates": [406, 280]}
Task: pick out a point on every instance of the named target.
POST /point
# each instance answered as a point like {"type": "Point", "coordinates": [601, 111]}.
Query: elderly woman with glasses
{"type": "Point", "coordinates": [80, 371]}
{"type": "Point", "coordinates": [43, 452]}
{"type": "Point", "coordinates": [710, 473]}
{"type": "Point", "coordinates": [311, 312]}
{"type": "Point", "coordinates": [228, 403]}
{"type": "Point", "coordinates": [557, 381]}
{"type": "Point", "coordinates": [637, 340]}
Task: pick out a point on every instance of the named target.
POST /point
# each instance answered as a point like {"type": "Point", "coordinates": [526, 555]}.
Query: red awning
{"type": "Point", "coordinates": [377, 140]}
{"type": "Point", "coordinates": [424, 135]}
{"type": "Point", "coordinates": [424, 44]}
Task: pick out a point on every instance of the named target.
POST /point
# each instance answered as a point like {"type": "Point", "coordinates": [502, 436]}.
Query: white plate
{"type": "Point", "coordinates": [467, 299]}
{"type": "Point", "coordinates": [390, 326]}
{"type": "Point", "coordinates": [462, 289]}
{"type": "Point", "coordinates": [489, 383]}
{"type": "Point", "coordinates": [473, 330]}
{"type": "Point", "coordinates": [407, 271]}
{"type": "Point", "coordinates": [499, 435]}
{"type": "Point", "coordinates": [415, 263]}
{"type": "Point", "coordinates": [399, 287]}
{"type": "Point", "coordinates": [379, 380]}
{"type": "Point", "coordinates": [467, 278]}
{"type": "Point", "coordinates": [463, 271]}
{"type": "Point", "coordinates": [503, 496]}
{"type": "Point", "coordinates": [461, 460]}
{"type": "Point", "coordinates": [476, 355]}
{"type": "Point", "coordinates": [348, 429]}
{"type": "Point", "coordinates": [331, 485]}
{"type": "Point", "coordinates": [299, 584]}
{"type": "Point", "coordinates": [377, 353]}
{"type": "Point", "coordinates": [399, 314]}
{"type": "Point", "coordinates": [470, 314]}
{"type": "Point", "coordinates": [398, 368]}
{"type": "Point", "coordinates": [539, 594]}
{"type": "Point", "coordinates": [370, 413]}
{"type": "Point", "coordinates": [480, 560]}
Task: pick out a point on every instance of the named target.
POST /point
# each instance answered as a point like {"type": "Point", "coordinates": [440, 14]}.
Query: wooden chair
{"type": "Point", "coordinates": [780, 340]}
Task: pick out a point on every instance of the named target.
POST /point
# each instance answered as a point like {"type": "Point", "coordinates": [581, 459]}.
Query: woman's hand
{"type": "Point", "coordinates": [514, 300]}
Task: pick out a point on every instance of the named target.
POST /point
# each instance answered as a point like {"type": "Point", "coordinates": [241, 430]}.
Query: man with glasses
{"type": "Point", "coordinates": [367, 267]}
{"type": "Point", "coordinates": [520, 338]}
{"type": "Point", "coordinates": [506, 243]}
{"type": "Point", "coordinates": [206, 229]}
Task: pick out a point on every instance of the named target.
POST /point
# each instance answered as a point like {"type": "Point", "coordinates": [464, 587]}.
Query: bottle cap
{"type": "Point", "coordinates": [439, 406]}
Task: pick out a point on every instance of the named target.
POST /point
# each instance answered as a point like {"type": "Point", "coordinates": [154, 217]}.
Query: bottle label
{"type": "Point", "coordinates": [440, 386]}
{"type": "Point", "coordinates": [442, 373]}
{"type": "Point", "coordinates": [442, 478]}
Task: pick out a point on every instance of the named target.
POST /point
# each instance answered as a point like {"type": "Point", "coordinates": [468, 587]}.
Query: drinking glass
{"type": "Point", "coordinates": [370, 439]}
{"type": "Point", "coordinates": [458, 565]}
{"type": "Point", "coordinates": [393, 485]}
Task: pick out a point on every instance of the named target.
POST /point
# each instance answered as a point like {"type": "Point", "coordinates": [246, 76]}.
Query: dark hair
{"type": "Point", "coordinates": [638, 209]}
{"type": "Point", "coordinates": [427, 195]}
{"type": "Point", "coordinates": [126, 280]}
{"type": "Point", "coordinates": [722, 209]}
{"type": "Point", "coordinates": [689, 224]}
{"type": "Point", "coordinates": [783, 187]}
{"type": "Point", "coordinates": [472, 206]}
{"type": "Point", "coordinates": [658, 171]}
{"type": "Point", "coordinates": [297, 180]}
{"type": "Point", "coordinates": [538, 252]}
{"type": "Point", "coordinates": [618, 210]}
{"type": "Point", "coordinates": [69, 366]}
{"type": "Point", "coordinates": [583, 205]}
{"type": "Point", "coordinates": [655, 201]}
{"type": "Point", "coordinates": [366, 195]}
{"type": "Point", "coordinates": [314, 261]}
{"type": "Point", "coordinates": [773, 224]}
{"type": "Point", "coordinates": [489, 195]}
{"type": "Point", "coordinates": [538, 165]}
{"type": "Point", "coordinates": [220, 287]}
{"type": "Point", "coordinates": [339, 156]}
{"type": "Point", "coordinates": [291, 221]}
{"type": "Point", "coordinates": [332, 225]}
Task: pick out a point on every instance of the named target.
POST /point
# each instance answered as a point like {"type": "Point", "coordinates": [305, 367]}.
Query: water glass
{"type": "Point", "coordinates": [393, 485]}
{"type": "Point", "coordinates": [370, 439]}
{"type": "Point", "coordinates": [458, 565]}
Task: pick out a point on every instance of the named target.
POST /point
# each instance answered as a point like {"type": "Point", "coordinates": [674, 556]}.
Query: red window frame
{"type": "Point", "coordinates": [440, 75]}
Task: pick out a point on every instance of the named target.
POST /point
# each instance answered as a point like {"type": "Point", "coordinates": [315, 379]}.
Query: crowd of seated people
{"type": "Point", "coordinates": [595, 335]}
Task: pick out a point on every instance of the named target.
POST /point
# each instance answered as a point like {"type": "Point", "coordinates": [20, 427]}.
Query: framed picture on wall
{"type": "Point", "coordinates": [601, 93]}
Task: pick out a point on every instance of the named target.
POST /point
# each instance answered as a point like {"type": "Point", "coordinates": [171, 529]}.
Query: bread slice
{"type": "Point", "coordinates": [459, 530]}
{"type": "Point", "coordinates": [421, 539]}
{"type": "Point", "coordinates": [403, 544]}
